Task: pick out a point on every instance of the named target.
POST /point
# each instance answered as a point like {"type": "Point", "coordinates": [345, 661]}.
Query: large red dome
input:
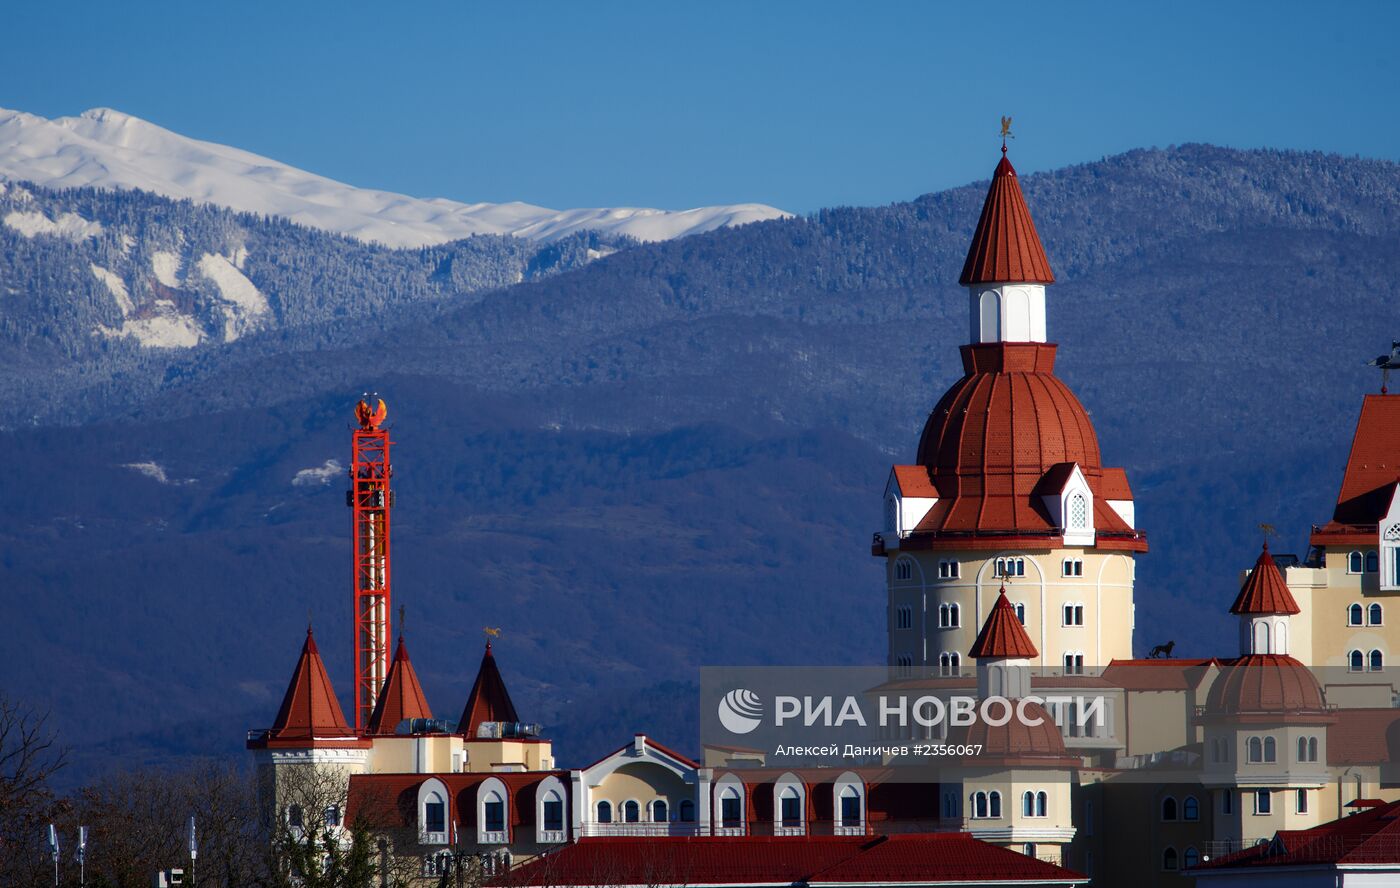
{"type": "Point", "coordinates": [1008, 414]}
{"type": "Point", "coordinates": [1272, 684]}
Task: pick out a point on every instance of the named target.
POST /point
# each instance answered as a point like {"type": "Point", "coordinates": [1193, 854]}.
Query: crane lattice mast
{"type": "Point", "coordinates": [370, 500]}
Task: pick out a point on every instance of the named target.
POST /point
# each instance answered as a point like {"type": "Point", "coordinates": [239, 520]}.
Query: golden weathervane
{"type": "Point", "coordinates": [1005, 131]}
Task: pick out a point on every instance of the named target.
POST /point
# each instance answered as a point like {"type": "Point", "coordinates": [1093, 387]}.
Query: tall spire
{"type": "Point", "coordinates": [489, 700]}
{"type": "Point", "coordinates": [1005, 246]}
{"type": "Point", "coordinates": [309, 708]}
{"type": "Point", "coordinates": [402, 696]}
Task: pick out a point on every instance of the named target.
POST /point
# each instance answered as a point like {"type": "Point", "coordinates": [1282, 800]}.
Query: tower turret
{"type": "Point", "coordinates": [1006, 269]}
{"type": "Point", "coordinates": [1003, 652]}
{"type": "Point", "coordinates": [1264, 606]}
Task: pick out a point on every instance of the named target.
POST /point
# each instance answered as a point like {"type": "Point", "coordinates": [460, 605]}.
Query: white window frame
{"type": "Point", "coordinates": [1378, 609]}
{"type": "Point", "coordinates": [492, 786]}
{"type": "Point", "coordinates": [949, 570]}
{"type": "Point", "coordinates": [551, 789]}
{"type": "Point", "coordinates": [431, 791]}
{"type": "Point", "coordinates": [848, 782]}
{"type": "Point", "coordinates": [1267, 797]}
{"type": "Point", "coordinates": [1072, 567]}
{"type": "Point", "coordinates": [1072, 615]}
{"type": "Point", "coordinates": [788, 786]}
{"type": "Point", "coordinates": [1073, 662]}
{"type": "Point", "coordinates": [1359, 559]}
{"type": "Point", "coordinates": [729, 787]}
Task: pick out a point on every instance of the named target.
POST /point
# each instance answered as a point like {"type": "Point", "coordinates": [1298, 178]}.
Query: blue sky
{"type": "Point", "coordinates": [678, 104]}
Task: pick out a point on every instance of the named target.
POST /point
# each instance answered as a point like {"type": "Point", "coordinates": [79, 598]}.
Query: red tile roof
{"type": "Point", "coordinates": [1005, 246]}
{"type": "Point", "coordinates": [915, 859]}
{"type": "Point", "coordinates": [1002, 634]}
{"type": "Point", "coordinates": [993, 438]}
{"type": "Point", "coordinates": [1374, 463]}
{"type": "Point", "coordinates": [1369, 837]}
{"type": "Point", "coordinates": [310, 708]}
{"type": "Point", "coordinates": [489, 700]}
{"type": "Point", "coordinates": [940, 857]}
{"type": "Point", "coordinates": [401, 698]}
{"type": "Point", "coordinates": [1017, 742]}
{"type": "Point", "coordinates": [1264, 590]}
{"type": "Point", "coordinates": [1364, 737]}
{"type": "Point", "coordinates": [1157, 675]}
{"type": "Point", "coordinates": [1273, 684]}
{"type": "Point", "coordinates": [914, 481]}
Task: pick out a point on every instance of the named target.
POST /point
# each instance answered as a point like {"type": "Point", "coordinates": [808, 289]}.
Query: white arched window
{"type": "Point", "coordinates": [1261, 637]}
{"type": "Point", "coordinates": [989, 312]}
{"type": "Point", "coordinates": [660, 813]}
{"type": "Point", "coordinates": [549, 814]}
{"type": "Point", "coordinates": [892, 515]}
{"type": "Point", "coordinates": [432, 812]}
{"type": "Point", "coordinates": [1020, 608]}
{"type": "Point", "coordinates": [1078, 511]}
{"type": "Point", "coordinates": [1190, 809]}
{"type": "Point", "coordinates": [1255, 748]}
{"type": "Point", "coordinates": [1354, 615]}
{"type": "Point", "coordinates": [1356, 662]}
{"type": "Point", "coordinates": [849, 794]}
{"type": "Point", "coordinates": [1374, 614]}
{"type": "Point", "coordinates": [729, 806]}
{"type": "Point", "coordinates": [492, 813]}
{"type": "Point", "coordinates": [789, 808]}
{"type": "Point", "coordinates": [1376, 661]}
{"type": "Point", "coordinates": [1270, 750]}
{"type": "Point", "coordinates": [994, 804]}
{"type": "Point", "coordinates": [1354, 563]}
{"type": "Point", "coordinates": [631, 811]}
{"type": "Point", "coordinates": [979, 805]}
{"type": "Point", "coordinates": [605, 812]}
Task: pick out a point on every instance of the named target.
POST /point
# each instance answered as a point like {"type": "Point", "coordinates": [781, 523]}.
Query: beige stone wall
{"type": "Point", "coordinates": [642, 782]}
{"type": "Point", "coordinates": [1105, 590]}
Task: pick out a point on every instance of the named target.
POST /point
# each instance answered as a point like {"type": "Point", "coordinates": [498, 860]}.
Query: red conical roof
{"type": "Point", "coordinates": [1003, 635]}
{"type": "Point", "coordinates": [489, 700]}
{"type": "Point", "coordinates": [401, 698]}
{"type": "Point", "coordinates": [1264, 590]}
{"type": "Point", "coordinates": [1005, 247]}
{"type": "Point", "coordinates": [310, 708]}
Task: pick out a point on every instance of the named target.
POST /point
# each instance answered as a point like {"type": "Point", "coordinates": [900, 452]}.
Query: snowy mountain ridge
{"type": "Point", "coordinates": [104, 148]}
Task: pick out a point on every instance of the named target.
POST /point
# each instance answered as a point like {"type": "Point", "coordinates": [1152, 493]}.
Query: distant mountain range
{"type": "Point", "coordinates": [638, 458]}
{"type": "Point", "coordinates": [104, 148]}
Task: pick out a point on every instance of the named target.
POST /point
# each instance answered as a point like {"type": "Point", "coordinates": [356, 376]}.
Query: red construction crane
{"type": "Point", "coordinates": [370, 499]}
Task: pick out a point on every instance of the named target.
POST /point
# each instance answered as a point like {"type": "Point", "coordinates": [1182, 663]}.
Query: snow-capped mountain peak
{"type": "Point", "coordinates": [106, 148]}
